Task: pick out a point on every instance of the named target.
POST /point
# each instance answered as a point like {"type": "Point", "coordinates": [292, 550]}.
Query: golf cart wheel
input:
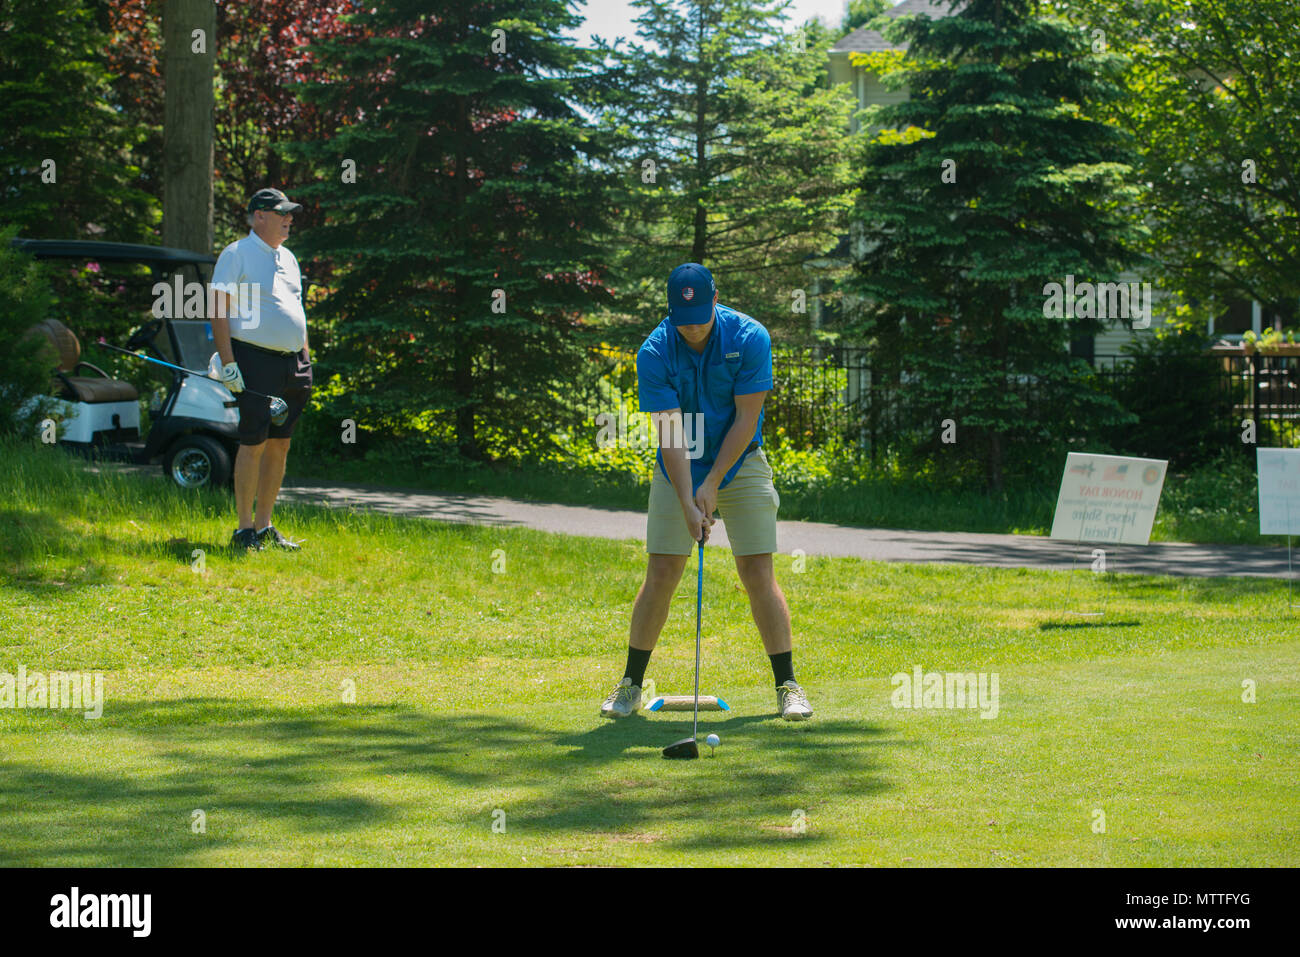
{"type": "Point", "coordinates": [197, 461]}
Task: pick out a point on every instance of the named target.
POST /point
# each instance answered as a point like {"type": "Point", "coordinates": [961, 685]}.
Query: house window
{"type": "Point", "coordinates": [1281, 315]}
{"type": "Point", "coordinates": [1237, 319]}
{"type": "Point", "coordinates": [1243, 315]}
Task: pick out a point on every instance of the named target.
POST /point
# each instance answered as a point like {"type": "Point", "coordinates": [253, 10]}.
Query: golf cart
{"type": "Point", "coordinates": [193, 422]}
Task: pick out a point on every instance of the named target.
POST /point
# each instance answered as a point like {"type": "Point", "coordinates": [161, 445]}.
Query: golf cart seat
{"type": "Point", "coordinates": [64, 347]}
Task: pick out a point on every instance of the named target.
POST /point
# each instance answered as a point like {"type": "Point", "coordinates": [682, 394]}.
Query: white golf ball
{"type": "Point", "coordinates": [712, 740]}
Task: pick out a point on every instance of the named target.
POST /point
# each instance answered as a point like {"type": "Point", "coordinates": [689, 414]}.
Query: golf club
{"type": "Point", "coordinates": [279, 408]}
{"type": "Point", "coordinates": [687, 747]}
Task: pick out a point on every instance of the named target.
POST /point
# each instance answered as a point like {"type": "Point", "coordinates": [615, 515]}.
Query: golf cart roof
{"type": "Point", "coordinates": [157, 256]}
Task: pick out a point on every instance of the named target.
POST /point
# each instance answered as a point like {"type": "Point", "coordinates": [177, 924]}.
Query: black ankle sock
{"type": "Point", "coordinates": [636, 662]}
{"type": "Point", "coordinates": [782, 667]}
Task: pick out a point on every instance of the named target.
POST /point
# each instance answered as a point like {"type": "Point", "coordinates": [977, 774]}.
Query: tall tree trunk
{"type": "Point", "coordinates": [1000, 359]}
{"type": "Point", "coordinates": [699, 248]}
{"type": "Point", "coordinates": [188, 123]}
{"type": "Point", "coordinates": [995, 461]}
{"type": "Point", "coordinates": [463, 369]}
{"type": "Point", "coordinates": [463, 382]}
{"type": "Point", "coordinates": [699, 245]}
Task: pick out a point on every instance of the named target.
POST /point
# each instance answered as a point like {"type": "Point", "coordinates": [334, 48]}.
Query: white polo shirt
{"type": "Point", "coordinates": [267, 290]}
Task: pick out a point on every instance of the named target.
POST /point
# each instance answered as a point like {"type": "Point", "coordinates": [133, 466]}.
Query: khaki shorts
{"type": "Point", "coordinates": [748, 507]}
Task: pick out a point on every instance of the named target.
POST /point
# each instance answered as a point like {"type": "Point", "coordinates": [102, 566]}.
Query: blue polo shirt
{"type": "Point", "coordinates": [737, 360]}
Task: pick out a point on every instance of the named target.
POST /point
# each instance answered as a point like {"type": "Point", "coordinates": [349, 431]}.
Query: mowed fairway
{"type": "Point", "coordinates": [476, 694]}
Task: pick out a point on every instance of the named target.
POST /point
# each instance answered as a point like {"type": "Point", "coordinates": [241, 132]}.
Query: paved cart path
{"type": "Point", "coordinates": [814, 538]}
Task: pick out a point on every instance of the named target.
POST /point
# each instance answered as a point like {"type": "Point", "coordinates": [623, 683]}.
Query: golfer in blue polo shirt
{"type": "Point", "coordinates": [703, 374]}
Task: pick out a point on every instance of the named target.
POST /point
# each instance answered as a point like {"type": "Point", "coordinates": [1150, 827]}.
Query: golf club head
{"type": "Point", "coordinates": [685, 748]}
{"type": "Point", "coordinates": [279, 410]}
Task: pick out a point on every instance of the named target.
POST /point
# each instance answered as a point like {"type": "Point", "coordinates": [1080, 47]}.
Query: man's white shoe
{"type": "Point", "coordinates": [622, 701]}
{"type": "Point", "coordinates": [791, 703]}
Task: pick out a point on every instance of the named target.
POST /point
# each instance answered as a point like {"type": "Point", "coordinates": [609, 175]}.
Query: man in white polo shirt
{"type": "Point", "coordinates": [260, 330]}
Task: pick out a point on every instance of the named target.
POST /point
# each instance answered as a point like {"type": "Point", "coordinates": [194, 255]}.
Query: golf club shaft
{"type": "Point", "coordinates": [201, 375]}
{"type": "Point", "coordinates": [699, 605]}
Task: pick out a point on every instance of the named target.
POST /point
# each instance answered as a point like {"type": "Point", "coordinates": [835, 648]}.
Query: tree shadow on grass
{"type": "Point", "coordinates": [29, 535]}
{"type": "Point", "coordinates": [308, 777]}
{"type": "Point", "coordinates": [182, 550]}
{"type": "Point", "coordinates": [1224, 590]}
{"type": "Point", "coordinates": [724, 801]}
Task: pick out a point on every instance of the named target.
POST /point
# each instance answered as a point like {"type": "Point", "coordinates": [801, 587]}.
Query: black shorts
{"type": "Point", "coordinates": [287, 375]}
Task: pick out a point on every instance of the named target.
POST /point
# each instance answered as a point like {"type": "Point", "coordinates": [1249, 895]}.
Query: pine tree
{"type": "Point", "coordinates": [65, 151]}
{"type": "Point", "coordinates": [738, 151]}
{"type": "Point", "coordinates": [25, 363]}
{"type": "Point", "coordinates": [464, 254]}
{"type": "Point", "coordinates": [991, 181]}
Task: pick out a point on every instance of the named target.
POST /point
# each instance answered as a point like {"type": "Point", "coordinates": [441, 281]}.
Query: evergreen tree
{"type": "Point", "coordinates": [738, 154]}
{"type": "Point", "coordinates": [263, 58]}
{"type": "Point", "coordinates": [65, 151]}
{"type": "Point", "coordinates": [462, 258]}
{"type": "Point", "coordinates": [991, 181]}
{"type": "Point", "coordinates": [25, 363]}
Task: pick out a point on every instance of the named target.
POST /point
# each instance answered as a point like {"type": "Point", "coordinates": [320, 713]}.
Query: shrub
{"type": "Point", "coordinates": [1181, 397]}
{"type": "Point", "coordinates": [25, 299]}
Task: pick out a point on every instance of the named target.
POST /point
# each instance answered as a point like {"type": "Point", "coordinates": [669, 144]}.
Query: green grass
{"type": "Point", "coordinates": [476, 692]}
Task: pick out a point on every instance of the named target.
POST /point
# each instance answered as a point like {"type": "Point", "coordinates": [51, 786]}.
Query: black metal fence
{"type": "Point", "coordinates": [1262, 388]}
{"type": "Point", "coordinates": [828, 394]}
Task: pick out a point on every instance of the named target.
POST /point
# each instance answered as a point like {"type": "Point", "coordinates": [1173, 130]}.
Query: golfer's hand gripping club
{"type": "Point", "coordinates": [706, 498]}
{"type": "Point", "coordinates": [232, 378]}
{"type": "Point", "coordinates": [696, 522]}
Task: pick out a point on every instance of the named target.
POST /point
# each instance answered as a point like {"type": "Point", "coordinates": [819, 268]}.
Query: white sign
{"type": "Point", "coordinates": [1279, 491]}
{"type": "Point", "coordinates": [1108, 498]}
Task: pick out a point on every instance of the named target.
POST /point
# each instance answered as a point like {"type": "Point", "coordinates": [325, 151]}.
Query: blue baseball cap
{"type": "Point", "coordinates": [690, 295]}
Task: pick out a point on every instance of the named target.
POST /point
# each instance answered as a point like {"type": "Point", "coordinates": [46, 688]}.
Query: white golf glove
{"type": "Point", "coordinates": [232, 378]}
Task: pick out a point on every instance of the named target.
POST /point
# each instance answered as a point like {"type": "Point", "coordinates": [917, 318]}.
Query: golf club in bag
{"type": "Point", "coordinates": [279, 408]}
{"type": "Point", "coordinates": [689, 747]}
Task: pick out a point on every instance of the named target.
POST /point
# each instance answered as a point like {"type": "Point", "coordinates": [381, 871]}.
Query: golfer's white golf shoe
{"type": "Point", "coordinates": [622, 701]}
{"type": "Point", "coordinates": [791, 703]}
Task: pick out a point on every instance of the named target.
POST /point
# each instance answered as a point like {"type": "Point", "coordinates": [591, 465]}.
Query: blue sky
{"type": "Point", "coordinates": [612, 18]}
